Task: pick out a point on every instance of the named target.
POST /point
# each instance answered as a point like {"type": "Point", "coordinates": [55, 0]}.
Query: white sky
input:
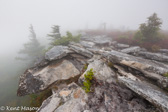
{"type": "Point", "coordinates": [17, 15]}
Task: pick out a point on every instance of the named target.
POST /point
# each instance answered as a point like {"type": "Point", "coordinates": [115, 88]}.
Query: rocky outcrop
{"type": "Point", "coordinates": [163, 51]}
{"type": "Point", "coordinates": [150, 69]}
{"type": "Point", "coordinates": [126, 79]}
{"type": "Point", "coordinates": [131, 50]}
{"type": "Point", "coordinates": [102, 71]}
{"type": "Point", "coordinates": [57, 52]}
{"type": "Point", "coordinates": [81, 51]}
{"type": "Point", "coordinates": [34, 81]}
{"type": "Point", "coordinates": [154, 56]}
{"type": "Point", "coordinates": [69, 99]}
{"type": "Point", "coordinates": [148, 91]}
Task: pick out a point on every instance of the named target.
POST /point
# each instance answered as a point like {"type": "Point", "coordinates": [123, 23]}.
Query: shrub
{"type": "Point", "coordinates": [155, 48]}
{"type": "Point", "coordinates": [88, 80]}
{"type": "Point", "coordinates": [66, 39]}
{"type": "Point", "coordinates": [166, 74]}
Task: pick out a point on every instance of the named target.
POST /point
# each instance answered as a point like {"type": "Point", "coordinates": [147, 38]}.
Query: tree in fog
{"type": "Point", "coordinates": [32, 49]}
{"type": "Point", "coordinates": [55, 34]}
{"type": "Point", "coordinates": [149, 31]}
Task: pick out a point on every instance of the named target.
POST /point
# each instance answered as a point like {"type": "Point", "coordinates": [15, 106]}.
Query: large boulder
{"type": "Point", "coordinates": [34, 81]}
{"type": "Point", "coordinates": [57, 52]}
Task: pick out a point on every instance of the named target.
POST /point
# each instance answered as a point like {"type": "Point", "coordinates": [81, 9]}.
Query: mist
{"type": "Point", "coordinates": [71, 15]}
{"type": "Point", "coordinates": [16, 16]}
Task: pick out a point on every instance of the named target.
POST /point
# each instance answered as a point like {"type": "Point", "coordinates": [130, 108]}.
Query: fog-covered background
{"type": "Point", "coordinates": [17, 15]}
{"type": "Point", "coordinates": [72, 15]}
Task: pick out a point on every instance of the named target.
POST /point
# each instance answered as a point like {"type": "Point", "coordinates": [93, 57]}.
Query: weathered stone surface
{"type": "Point", "coordinates": [154, 56]}
{"type": "Point", "coordinates": [110, 97]}
{"type": "Point", "coordinates": [57, 52]}
{"type": "Point", "coordinates": [122, 46]}
{"type": "Point", "coordinates": [131, 50]}
{"type": "Point", "coordinates": [87, 44]}
{"type": "Point", "coordinates": [99, 40]}
{"type": "Point", "coordinates": [50, 104]}
{"type": "Point", "coordinates": [143, 65]}
{"type": "Point", "coordinates": [41, 61]}
{"type": "Point", "coordinates": [73, 99]}
{"type": "Point", "coordinates": [150, 92]}
{"type": "Point", "coordinates": [102, 71]}
{"type": "Point", "coordinates": [35, 81]}
{"type": "Point", "coordinates": [81, 51]}
{"type": "Point", "coordinates": [164, 51]}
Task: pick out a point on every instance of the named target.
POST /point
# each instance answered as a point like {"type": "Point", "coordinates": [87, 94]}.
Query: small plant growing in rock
{"type": "Point", "coordinates": [166, 74]}
{"type": "Point", "coordinates": [85, 66]}
{"type": "Point", "coordinates": [88, 80]}
{"type": "Point", "coordinates": [110, 64]}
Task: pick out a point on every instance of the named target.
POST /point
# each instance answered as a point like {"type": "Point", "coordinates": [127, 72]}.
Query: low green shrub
{"type": "Point", "coordinates": [66, 39]}
{"type": "Point", "coordinates": [88, 80]}
{"type": "Point", "coordinates": [165, 74]}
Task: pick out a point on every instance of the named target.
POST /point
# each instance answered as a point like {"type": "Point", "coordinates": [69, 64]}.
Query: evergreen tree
{"type": "Point", "coordinates": [149, 31]}
{"type": "Point", "coordinates": [55, 34]}
{"type": "Point", "coordinates": [32, 49]}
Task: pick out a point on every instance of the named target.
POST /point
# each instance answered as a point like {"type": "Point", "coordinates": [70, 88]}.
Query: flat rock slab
{"type": "Point", "coordinates": [70, 99]}
{"type": "Point", "coordinates": [131, 50]}
{"type": "Point", "coordinates": [154, 56]}
{"type": "Point", "coordinates": [151, 69]}
{"type": "Point", "coordinates": [87, 44]}
{"type": "Point", "coordinates": [150, 92]}
{"type": "Point", "coordinates": [122, 46]}
{"type": "Point", "coordinates": [81, 51]}
{"type": "Point", "coordinates": [138, 63]}
{"type": "Point", "coordinates": [33, 82]}
{"type": "Point", "coordinates": [164, 51]}
{"type": "Point", "coordinates": [57, 52]}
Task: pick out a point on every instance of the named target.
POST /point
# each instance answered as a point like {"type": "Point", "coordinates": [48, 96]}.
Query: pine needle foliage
{"type": "Point", "coordinates": [88, 80]}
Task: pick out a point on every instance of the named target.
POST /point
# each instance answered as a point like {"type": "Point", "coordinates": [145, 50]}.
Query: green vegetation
{"type": "Point", "coordinates": [56, 38]}
{"type": "Point", "coordinates": [85, 67]}
{"type": "Point", "coordinates": [166, 74]}
{"type": "Point", "coordinates": [65, 40]}
{"type": "Point", "coordinates": [54, 35]}
{"type": "Point", "coordinates": [88, 80]}
{"type": "Point", "coordinates": [149, 31]}
{"type": "Point", "coordinates": [110, 64]}
{"type": "Point", "coordinates": [32, 49]}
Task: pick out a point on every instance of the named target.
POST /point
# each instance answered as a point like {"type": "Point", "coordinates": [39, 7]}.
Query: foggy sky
{"type": "Point", "coordinates": [17, 15]}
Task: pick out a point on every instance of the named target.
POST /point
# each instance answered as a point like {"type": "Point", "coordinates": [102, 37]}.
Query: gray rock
{"type": "Point", "coordinates": [50, 104]}
{"type": "Point", "coordinates": [36, 81]}
{"type": "Point", "coordinates": [150, 92]}
{"type": "Point", "coordinates": [99, 40]}
{"type": "Point", "coordinates": [81, 51]}
{"type": "Point", "coordinates": [164, 51]}
{"type": "Point", "coordinates": [87, 44]}
{"type": "Point", "coordinates": [122, 46]}
{"type": "Point", "coordinates": [154, 56]}
{"type": "Point", "coordinates": [101, 72]}
{"type": "Point", "coordinates": [73, 99]}
{"type": "Point", "coordinates": [57, 52]}
{"type": "Point", "coordinates": [131, 50]}
{"type": "Point", "coordinates": [150, 69]}
{"type": "Point", "coordinates": [110, 97]}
